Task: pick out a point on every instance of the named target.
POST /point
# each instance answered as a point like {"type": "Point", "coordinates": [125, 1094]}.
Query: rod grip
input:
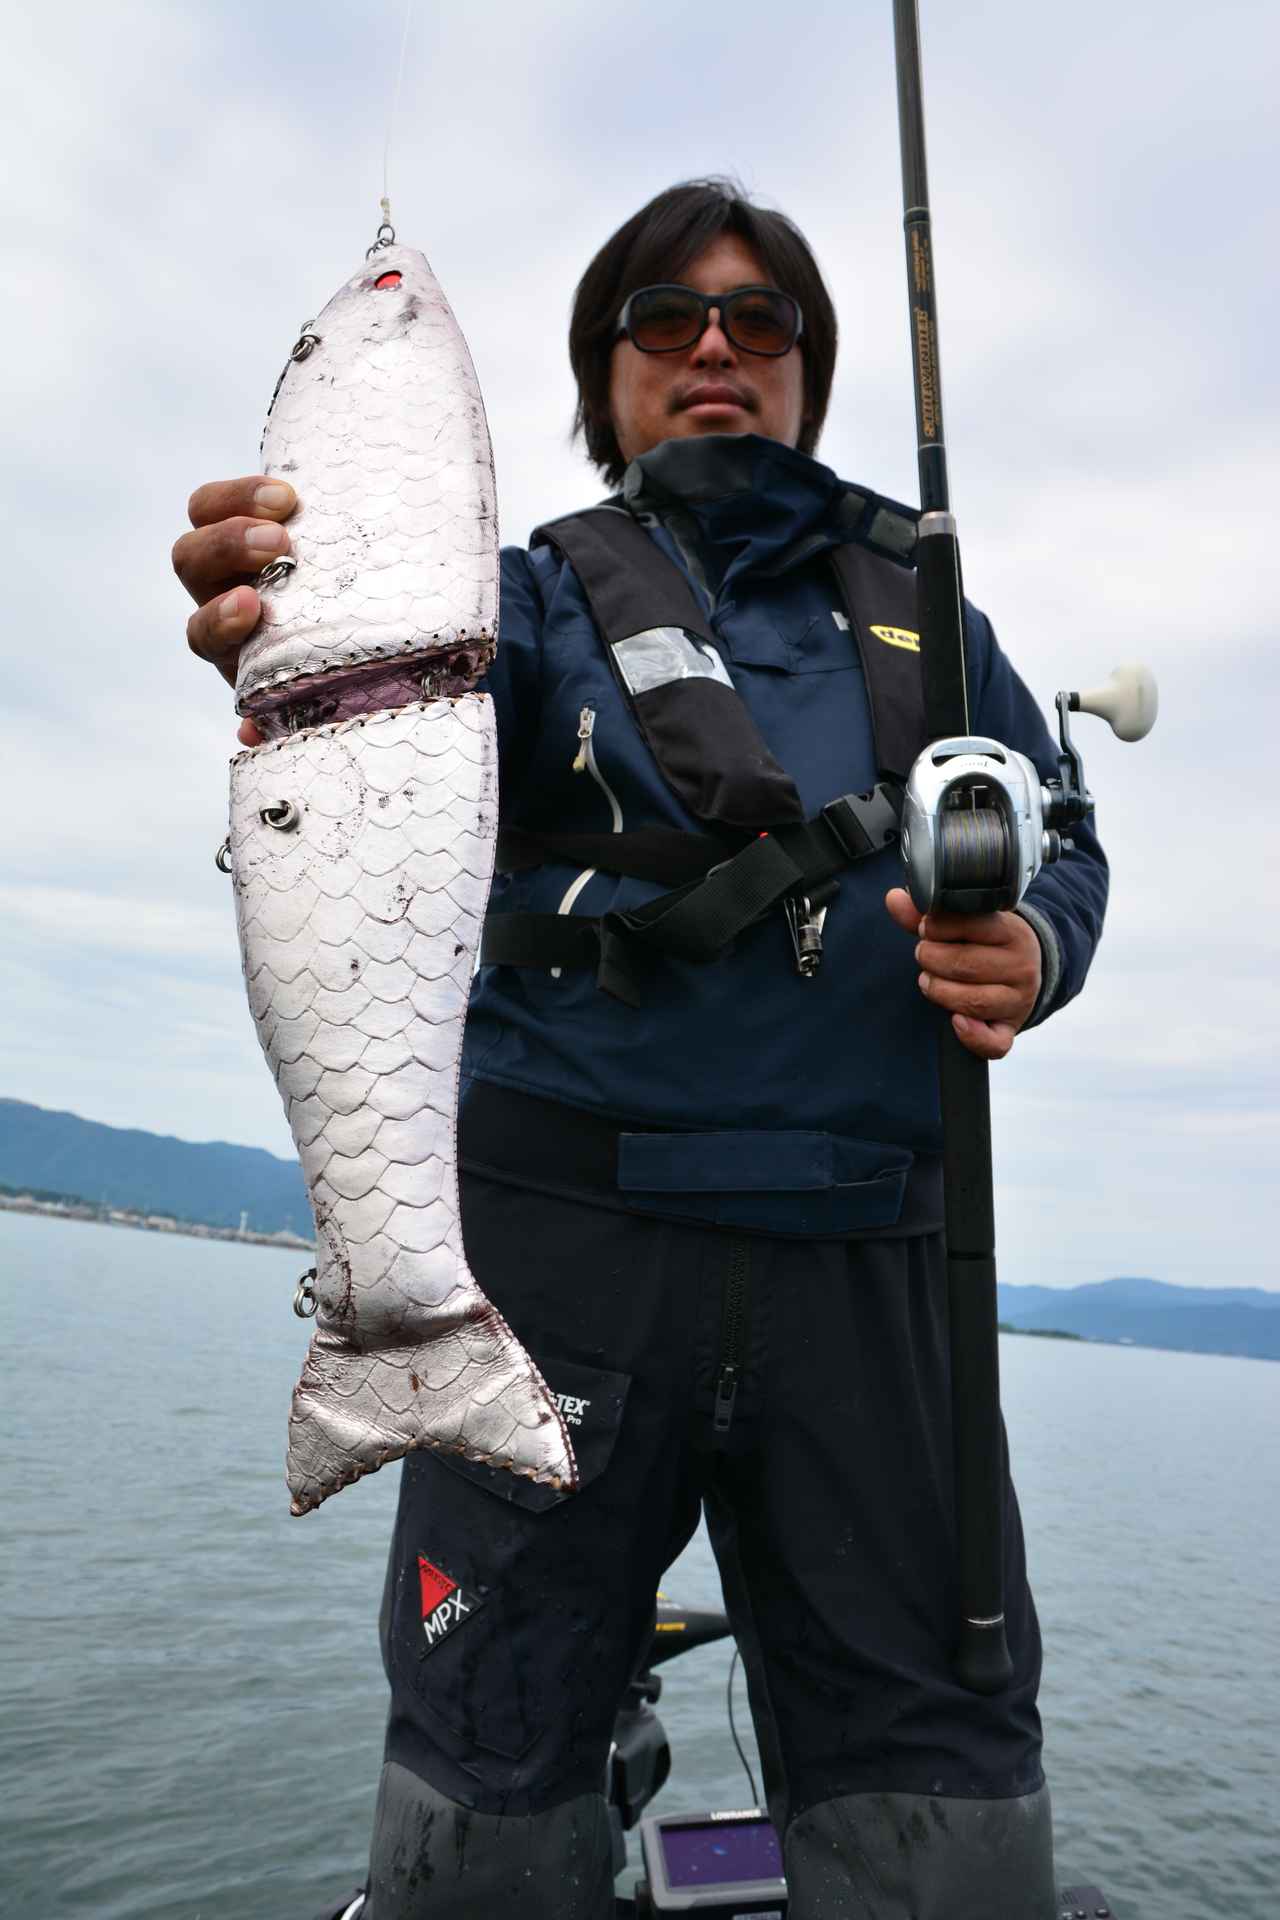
{"type": "Point", "coordinates": [981, 1659]}
{"type": "Point", "coordinates": [965, 1090]}
{"type": "Point", "coordinates": [982, 1662]}
{"type": "Point", "coordinates": [940, 603]}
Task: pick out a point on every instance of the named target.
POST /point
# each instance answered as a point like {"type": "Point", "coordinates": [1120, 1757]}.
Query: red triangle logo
{"type": "Point", "coordinates": [436, 1585]}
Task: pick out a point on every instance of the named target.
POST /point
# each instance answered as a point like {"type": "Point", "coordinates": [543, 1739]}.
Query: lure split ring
{"type": "Point", "coordinates": [305, 1301]}
{"type": "Point", "coordinates": [275, 571]}
{"type": "Point", "coordinates": [284, 816]}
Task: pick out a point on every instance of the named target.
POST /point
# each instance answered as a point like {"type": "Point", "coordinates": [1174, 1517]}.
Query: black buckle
{"type": "Point", "coordinates": [863, 823]}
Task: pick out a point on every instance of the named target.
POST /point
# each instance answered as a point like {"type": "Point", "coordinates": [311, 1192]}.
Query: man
{"type": "Point", "coordinates": [701, 1153]}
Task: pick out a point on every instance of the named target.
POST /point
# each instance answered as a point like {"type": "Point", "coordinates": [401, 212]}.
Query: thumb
{"type": "Point", "coordinates": [902, 910]}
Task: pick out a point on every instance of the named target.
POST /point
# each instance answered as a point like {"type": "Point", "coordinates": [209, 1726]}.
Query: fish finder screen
{"type": "Point", "coordinates": [721, 1853]}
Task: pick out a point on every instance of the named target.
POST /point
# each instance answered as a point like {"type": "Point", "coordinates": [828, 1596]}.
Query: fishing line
{"type": "Point", "coordinates": [391, 117]}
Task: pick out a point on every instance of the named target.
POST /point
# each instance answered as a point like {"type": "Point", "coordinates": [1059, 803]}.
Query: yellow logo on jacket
{"type": "Point", "coordinates": [898, 637]}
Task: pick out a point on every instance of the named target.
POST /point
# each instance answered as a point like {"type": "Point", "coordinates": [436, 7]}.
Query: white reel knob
{"type": "Point", "coordinates": [1128, 702]}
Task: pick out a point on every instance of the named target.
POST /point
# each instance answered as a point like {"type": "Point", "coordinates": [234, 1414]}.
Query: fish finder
{"type": "Point", "coordinates": [727, 1864]}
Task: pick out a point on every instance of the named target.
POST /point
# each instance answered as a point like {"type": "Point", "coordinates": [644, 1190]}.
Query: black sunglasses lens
{"type": "Point", "coordinates": [756, 319]}
{"type": "Point", "coordinates": [664, 318]}
{"type": "Point", "coordinates": [761, 322]}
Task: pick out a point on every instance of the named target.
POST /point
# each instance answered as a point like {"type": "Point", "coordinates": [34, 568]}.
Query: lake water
{"type": "Point", "coordinates": [191, 1694]}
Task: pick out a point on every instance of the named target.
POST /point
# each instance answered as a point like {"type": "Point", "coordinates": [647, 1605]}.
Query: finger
{"type": "Point", "coordinates": [212, 559]}
{"type": "Point", "coordinates": [258, 495]}
{"type": "Point", "coordinates": [976, 1002]}
{"type": "Point", "coordinates": [963, 960]}
{"type": "Point", "coordinates": [247, 734]}
{"type": "Point", "coordinates": [987, 929]}
{"type": "Point", "coordinates": [217, 631]}
{"type": "Point", "coordinates": [989, 1039]}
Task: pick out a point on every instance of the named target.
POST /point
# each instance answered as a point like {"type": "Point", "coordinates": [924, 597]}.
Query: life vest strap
{"type": "Point", "coordinates": [668, 855]}
{"type": "Point", "coordinates": [701, 919]}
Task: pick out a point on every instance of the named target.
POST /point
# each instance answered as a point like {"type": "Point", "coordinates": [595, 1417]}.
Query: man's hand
{"type": "Point", "coordinates": [236, 532]}
{"type": "Point", "coordinates": [983, 968]}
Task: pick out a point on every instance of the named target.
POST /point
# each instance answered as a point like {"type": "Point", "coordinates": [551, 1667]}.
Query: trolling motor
{"type": "Point", "coordinates": [723, 1864]}
{"type": "Point", "coordinates": [978, 824]}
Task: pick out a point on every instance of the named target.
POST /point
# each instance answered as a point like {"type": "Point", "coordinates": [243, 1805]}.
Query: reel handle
{"type": "Point", "coordinates": [1128, 701]}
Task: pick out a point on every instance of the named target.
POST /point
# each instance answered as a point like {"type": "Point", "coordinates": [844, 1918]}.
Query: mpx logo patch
{"type": "Point", "coordinates": [444, 1604]}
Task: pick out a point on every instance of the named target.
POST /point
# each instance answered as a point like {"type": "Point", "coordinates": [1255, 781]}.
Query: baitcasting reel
{"type": "Point", "coordinates": [977, 822]}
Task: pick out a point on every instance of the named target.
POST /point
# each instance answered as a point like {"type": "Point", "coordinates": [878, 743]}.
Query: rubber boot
{"type": "Point", "coordinates": [908, 1856]}
{"type": "Point", "coordinates": [432, 1859]}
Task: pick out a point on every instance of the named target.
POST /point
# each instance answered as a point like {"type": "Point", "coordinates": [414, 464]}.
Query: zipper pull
{"type": "Point", "coordinates": [726, 1394]}
{"type": "Point", "coordinates": [586, 725]}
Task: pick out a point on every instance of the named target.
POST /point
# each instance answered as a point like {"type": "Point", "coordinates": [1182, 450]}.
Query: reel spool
{"type": "Point", "coordinates": [978, 824]}
{"type": "Point", "coordinates": [973, 849]}
{"type": "Point", "coordinates": [973, 834]}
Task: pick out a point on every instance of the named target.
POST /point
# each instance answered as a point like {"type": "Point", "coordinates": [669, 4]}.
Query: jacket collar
{"type": "Point", "coordinates": [743, 502]}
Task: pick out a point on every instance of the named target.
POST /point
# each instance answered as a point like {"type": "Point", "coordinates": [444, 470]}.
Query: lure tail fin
{"type": "Point", "coordinates": [506, 1419]}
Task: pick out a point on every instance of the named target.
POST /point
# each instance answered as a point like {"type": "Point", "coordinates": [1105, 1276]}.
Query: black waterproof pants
{"type": "Point", "coordinates": [799, 1391]}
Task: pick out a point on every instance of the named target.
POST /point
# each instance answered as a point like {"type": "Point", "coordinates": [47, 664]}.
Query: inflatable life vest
{"type": "Point", "coordinates": [758, 849]}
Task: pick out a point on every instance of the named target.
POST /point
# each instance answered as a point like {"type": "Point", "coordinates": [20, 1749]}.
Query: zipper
{"type": "Point", "coordinates": [733, 1338]}
{"type": "Point", "coordinates": [585, 762]}
{"type": "Point", "coordinates": [586, 727]}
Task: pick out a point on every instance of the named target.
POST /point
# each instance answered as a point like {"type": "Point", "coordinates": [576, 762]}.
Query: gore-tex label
{"type": "Point", "coordinates": [445, 1605]}
{"type": "Point", "coordinates": [571, 1408]}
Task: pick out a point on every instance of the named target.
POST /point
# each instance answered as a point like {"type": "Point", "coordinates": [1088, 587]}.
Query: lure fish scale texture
{"type": "Point", "coordinates": [398, 522]}
{"type": "Point", "coordinates": [361, 856]}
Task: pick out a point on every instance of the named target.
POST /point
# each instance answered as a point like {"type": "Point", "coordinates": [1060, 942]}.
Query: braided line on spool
{"type": "Point", "coordinates": [973, 848]}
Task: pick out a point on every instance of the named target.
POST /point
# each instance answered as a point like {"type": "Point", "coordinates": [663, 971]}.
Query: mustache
{"type": "Point", "coordinates": [681, 395]}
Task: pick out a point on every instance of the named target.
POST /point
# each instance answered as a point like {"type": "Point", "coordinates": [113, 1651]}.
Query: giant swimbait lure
{"type": "Point", "coordinates": [361, 848]}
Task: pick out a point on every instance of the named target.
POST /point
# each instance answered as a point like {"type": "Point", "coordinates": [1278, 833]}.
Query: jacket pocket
{"type": "Point", "coordinates": [805, 1182]}
{"type": "Point", "coordinates": [591, 1402]}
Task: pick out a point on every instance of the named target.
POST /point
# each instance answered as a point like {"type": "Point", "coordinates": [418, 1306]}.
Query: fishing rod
{"type": "Point", "coordinates": [977, 826]}
{"type": "Point", "coordinates": [982, 1660]}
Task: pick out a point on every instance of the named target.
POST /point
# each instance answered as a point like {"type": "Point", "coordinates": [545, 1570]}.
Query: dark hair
{"type": "Point", "coordinates": [657, 244]}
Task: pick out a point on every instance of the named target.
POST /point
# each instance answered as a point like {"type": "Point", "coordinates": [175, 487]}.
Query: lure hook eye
{"type": "Point", "coordinates": [284, 816]}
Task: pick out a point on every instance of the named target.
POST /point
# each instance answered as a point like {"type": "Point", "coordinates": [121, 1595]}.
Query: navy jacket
{"type": "Point", "coordinates": [743, 1042]}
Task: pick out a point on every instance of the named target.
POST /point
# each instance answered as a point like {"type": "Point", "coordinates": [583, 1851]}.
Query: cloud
{"type": "Point", "coordinates": [184, 185]}
{"type": "Point", "coordinates": [113, 922]}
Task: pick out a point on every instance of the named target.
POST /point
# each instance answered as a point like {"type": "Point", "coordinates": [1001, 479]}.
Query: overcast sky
{"type": "Point", "coordinates": [183, 185]}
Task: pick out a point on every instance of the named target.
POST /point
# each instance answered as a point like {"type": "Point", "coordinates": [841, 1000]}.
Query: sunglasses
{"type": "Point", "coordinates": [756, 319]}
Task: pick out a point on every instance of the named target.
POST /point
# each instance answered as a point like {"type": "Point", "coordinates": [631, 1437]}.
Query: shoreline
{"type": "Point", "coordinates": [84, 1212]}
{"type": "Point", "coordinates": [149, 1222]}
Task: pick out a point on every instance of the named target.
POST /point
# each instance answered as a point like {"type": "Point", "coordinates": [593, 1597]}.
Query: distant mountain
{"type": "Point", "coordinates": [1132, 1291]}
{"type": "Point", "coordinates": [1150, 1313]}
{"type": "Point", "coordinates": [211, 1181]}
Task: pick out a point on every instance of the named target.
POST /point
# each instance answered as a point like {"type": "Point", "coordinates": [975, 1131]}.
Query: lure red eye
{"type": "Point", "coordinates": [385, 280]}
